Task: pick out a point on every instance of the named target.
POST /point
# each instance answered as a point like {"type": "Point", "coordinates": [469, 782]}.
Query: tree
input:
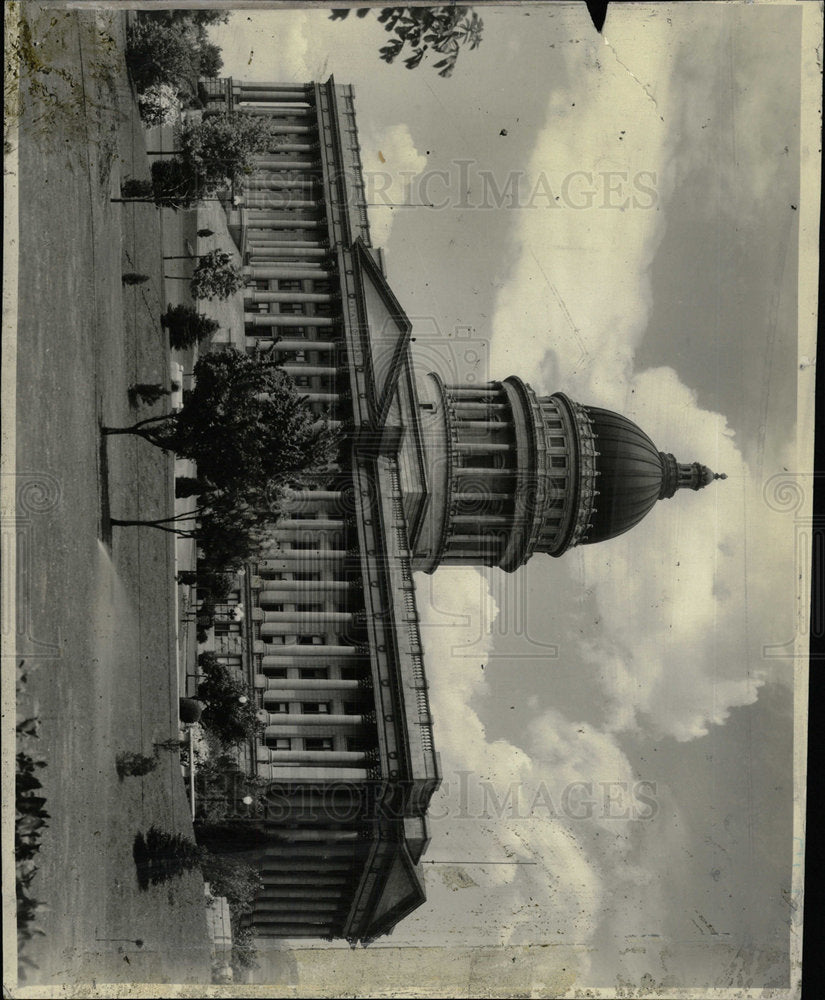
{"type": "Point", "coordinates": [441, 30]}
{"type": "Point", "coordinates": [211, 62]}
{"type": "Point", "coordinates": [172, 48]}
{"type": "Point", "coordinates": [157, 54]}
{"type": "Point", "coordinates": [248, 428]}
{"type": "Point", "coordinates": [220, 148]}
{"type": "Point", "coordinates": [216, 276]}
{"type": "Point", "coordinates": [229, 713]}
{"type": "Point", "coordinates": [174, 185]}
{"type": "Point", "coordinates": [186, 326]}
{"type": "Point", "coordinates": [251, 435]}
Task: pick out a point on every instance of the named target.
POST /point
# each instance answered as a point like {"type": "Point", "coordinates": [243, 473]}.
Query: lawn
{"type": "Point", "coordinates": [97, 602]}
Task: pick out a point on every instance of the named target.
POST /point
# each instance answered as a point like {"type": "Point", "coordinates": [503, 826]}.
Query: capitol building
{"type": "Point", "coordinates": [430, 473]}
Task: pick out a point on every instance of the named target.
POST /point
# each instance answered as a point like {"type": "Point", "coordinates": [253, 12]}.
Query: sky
{"type": "Point", "coordinates": [617, 218]}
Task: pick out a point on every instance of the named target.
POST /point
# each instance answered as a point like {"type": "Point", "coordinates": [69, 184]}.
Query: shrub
{"type": "Point", "coordinates": [187, 326]}
{"type": "Point", "coordinates": [236, 880]}
{"type": "Point", "coordinates": [244, 952]}
{"type": "Point", "coordinates": [159, 105]}
{"type": "Point", "coordinates": [231, 720]}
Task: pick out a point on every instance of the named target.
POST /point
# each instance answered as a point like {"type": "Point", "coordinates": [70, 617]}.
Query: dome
{"type": "Point", "coordinates": [630, 475]}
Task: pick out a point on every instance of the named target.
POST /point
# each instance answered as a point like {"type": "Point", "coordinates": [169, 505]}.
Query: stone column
{"type": "Point", "coordinates": [270, 162]}
{"type": "Point", "coordinates": [289, 201]}
{"type": "Point", "coordinates": [285, 772]}
{"type": "Point", "coordinates": [285, 221]}
{"type": "Point", "coordinates": [315, 618]}
{"type": "Point", "coordinates": [330, 758]}
{"type": "Point", "coordinates": [288, 320]}
{"type": "Point", "coordinates": [308, 556]}
{"type": "Point", "coordinates": [306, 272]}
{"type": "Point", "coordinates": [321, 371]}
{"type": "Point", "coordinates": [279, 655]}
{"type": "Point", "coordinates": [319, 297]}
{"type": "Point", "coordinates": [471, 392]}
{"type": "Point", "coordinates": [295, 686]}
{"type": "Point", "coordinates": [482, 521]}
{"type": "Point", "coordinates": [482, 473]}
{"type": "Point", "coordinates": [475, 424]}
{"type": "Point", "coordinates": [277, 253]}
{"type": "Point", "coordinates": [278, 721]}
{"type": "Point", "coordinates": [279, 663]}
{"type": "Point", "coordinates": [277, 180]}
{"type": "Point", "coordinates": [284, 128]}
{"type": "Point", "coordinates": [309, 524]}
{"type": "Point", "coordinates": [327, 496]}
{"type": "Point", "coordinates": [482, 448]}
{"type": "Point", "coordinates": [269, 95]}
{"type": "Point", "coordinates": [280, 590]}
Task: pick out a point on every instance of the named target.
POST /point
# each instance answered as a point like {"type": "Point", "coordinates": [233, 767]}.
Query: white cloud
{"type": "Point", "coordinates": [391, 162]}
{"type": "Point", "coordinates": [551, 804]}
{"type": "Point", "coordinates": [677, 642]}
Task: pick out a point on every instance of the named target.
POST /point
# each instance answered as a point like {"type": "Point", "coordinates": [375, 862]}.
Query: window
{"type": "Point", "coordinates": [276, 672]}
{"type": "Point", "coordinates": [352, 708]}
{"type": "Point", "coordinates": [350, 673]}
{"type": "Point", "coordinates": [317, 743]}
{"type": "Point", "coordinates": [310, 640]}
{"type": "Point", "coordinates": [558, 461]}
{"type": "Point", "coordinates": [313, 673]}
{"type": "Point", "coordinates": [315, 707]}
{"type": "Point", "coordinates": [359, 744]}
{"type": "Point", "coordinates": [278, 707]}
{"type": "Point", "coordinates": [279, 742]}
{"type": "Point", "coordinates": [556, 442]}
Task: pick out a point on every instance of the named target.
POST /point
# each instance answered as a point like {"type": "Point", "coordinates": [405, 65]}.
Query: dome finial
{"type": "Point", "coordinates": [684, 476]}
